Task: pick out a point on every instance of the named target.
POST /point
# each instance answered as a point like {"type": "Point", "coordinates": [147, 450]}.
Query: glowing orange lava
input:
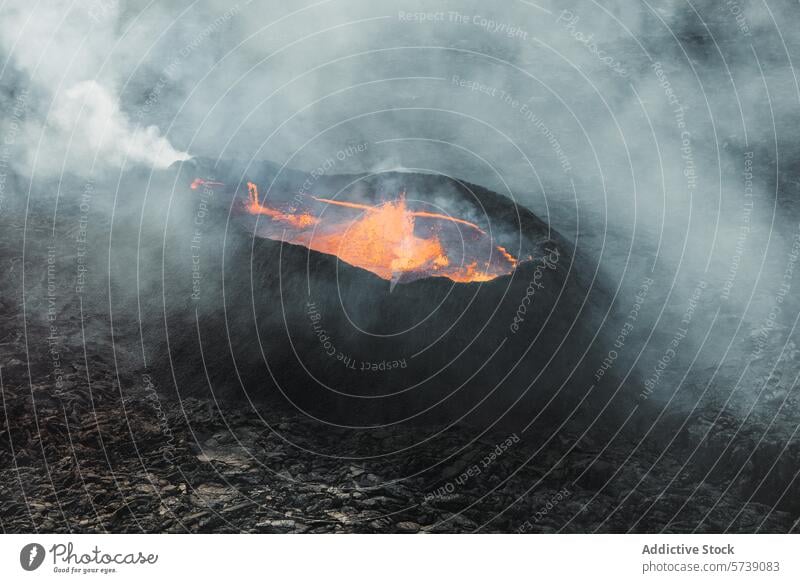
{"type": "Point", "coordinates": [384, 240]}
{"type": "Point", "coordinates": [387, 239]}
{"type": "Point", "coordinates": [198, 182]}
{"type": "Point", "coordinates": [412, 213]}
{"type": "Point", "coordinates": [254, 207]}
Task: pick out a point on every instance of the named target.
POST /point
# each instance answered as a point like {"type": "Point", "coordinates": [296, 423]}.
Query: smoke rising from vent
{"type": "Point", "coordinates": [651, 138]}
{"type": "Point", "coordinates": [90, 115]}
{"type": "Point", "coordinates": [575, 222]}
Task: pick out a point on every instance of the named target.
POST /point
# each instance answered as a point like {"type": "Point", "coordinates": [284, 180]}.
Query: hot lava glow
{"type": "Point", "coordinates": [383, 241]}
{"type": "Point", "coordinates": [373, 209]}
{"type": "Point", "coordinates": [393, 241]}
{"type": "Point", "coordinates": [198, 182]}
{"type": "Point", "coordinates": [254, 207]}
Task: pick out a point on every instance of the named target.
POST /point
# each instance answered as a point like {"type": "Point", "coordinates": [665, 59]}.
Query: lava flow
{"type": "Point", "coordinates": [391, 240]}
{"type": "Point", "coordinates": [254, 207]}
{"type": "Point", "coordinates": [198, 182]}
{"type": "Point", "coordinates": [384, 241]}
{"type": "Point", "coordinates": [372, 209]}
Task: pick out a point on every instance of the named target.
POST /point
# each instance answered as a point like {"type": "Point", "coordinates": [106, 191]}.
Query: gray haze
{"type": "Point", "coordinates": [630, 126]}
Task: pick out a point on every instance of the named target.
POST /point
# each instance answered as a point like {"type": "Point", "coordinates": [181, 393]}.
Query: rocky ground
{"type": "Point", "coordinates": [98, 464]}
{"type": "Point", "coordinates": [108, 459]}
{"type": "Point", "coordinates": [87, 445]}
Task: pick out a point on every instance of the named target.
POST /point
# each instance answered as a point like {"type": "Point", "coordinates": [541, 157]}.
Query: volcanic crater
{"type": "Point", "coordinates": [366, 326]}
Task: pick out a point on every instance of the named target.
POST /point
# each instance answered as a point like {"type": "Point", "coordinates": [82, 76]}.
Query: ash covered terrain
{"type": "Point", "coordinates": [377, 267]}
{"type": "Point", "coordinates": [95, 441]}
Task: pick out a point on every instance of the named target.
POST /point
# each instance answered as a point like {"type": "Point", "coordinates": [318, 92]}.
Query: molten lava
{"type": "Point", "coordinates": [383, 241]}
{"type": "Point", "coordinates": [389, 239]}
{"type": "Point", "coordinates": [198, 182]}
{"type": "Point", "coordinates": [254, 207]}
{"type": "Point", "coordinates": [386, 240]}
{"type": "Point", "coordinates": [368, 208]}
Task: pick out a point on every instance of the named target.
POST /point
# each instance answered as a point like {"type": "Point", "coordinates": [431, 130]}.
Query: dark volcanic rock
{"type": "Point", "coordinates": [94, 438]}
{"type": "Point", "coordinates": [271, 320]}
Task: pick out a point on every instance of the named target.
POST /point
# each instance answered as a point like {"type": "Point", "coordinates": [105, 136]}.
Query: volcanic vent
{"type": "Point", "coordinates": [391, 239]}
{"type": "Point", "coordinates": [375, 299]}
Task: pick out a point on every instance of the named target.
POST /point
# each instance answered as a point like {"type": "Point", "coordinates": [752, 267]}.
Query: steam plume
{"type": "Point", "coordinates": [92, 113]}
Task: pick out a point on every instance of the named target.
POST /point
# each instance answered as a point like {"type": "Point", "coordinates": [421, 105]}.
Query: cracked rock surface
{"type": "Point", "coordinates": [86, 445]}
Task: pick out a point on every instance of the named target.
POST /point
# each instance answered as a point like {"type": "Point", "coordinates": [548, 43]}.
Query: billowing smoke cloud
{"type": "Point", "coordinates": [61, 80]}
{"type": "Point", "coordinates": [89, 115]}
{"type": "Point", "coordinates": [648, 136]}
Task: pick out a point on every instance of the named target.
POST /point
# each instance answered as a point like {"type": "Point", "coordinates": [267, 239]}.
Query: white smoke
{"type": "Point", "coordinates": [92, 116]}
{"type": "Point", "coordinates": [70, 65]}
